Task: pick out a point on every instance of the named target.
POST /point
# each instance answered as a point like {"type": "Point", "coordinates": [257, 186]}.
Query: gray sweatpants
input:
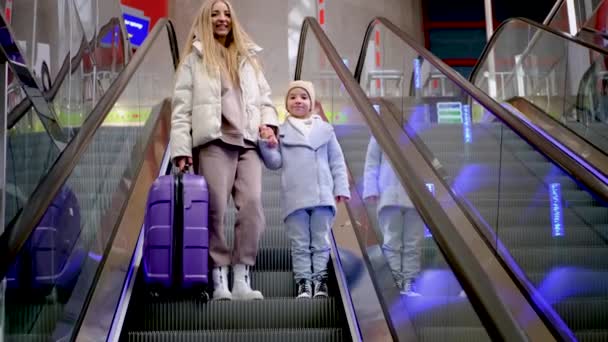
{"type": "Point", "coordinates": [231, 170]}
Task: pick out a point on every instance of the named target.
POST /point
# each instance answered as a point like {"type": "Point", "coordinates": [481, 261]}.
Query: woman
{"type": "Point", "coordinates": [221, 102]}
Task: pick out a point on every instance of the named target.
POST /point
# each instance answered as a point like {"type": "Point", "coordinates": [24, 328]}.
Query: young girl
{"type": "Point", "coordinates": [313, 179]}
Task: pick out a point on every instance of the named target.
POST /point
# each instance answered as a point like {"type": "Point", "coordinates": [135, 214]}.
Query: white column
{"type": "Point", "coordinates": [572, 19]}
{"type": "Point", "coordinates": [489, 18]}
{"type": "Point", "coordinates": [489, 31]}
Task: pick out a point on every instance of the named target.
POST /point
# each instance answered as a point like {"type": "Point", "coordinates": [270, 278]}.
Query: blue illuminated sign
{"type": "Point", "coordinates": [466, 120]}
{"type": "Point", "coordinates": [137, 29]}
{"type": "Point", "coordinates": [417, 76]}
{"type": "Point", "coordinates": [431, 188]}
{"type": "Point", "coordinates": [557, 214]}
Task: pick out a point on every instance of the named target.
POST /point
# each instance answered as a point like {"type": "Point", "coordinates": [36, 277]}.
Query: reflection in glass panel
{"type": "Point", "coordinates": [29, 155]}
{"type": "Point", "coordinates": [431, 297]}
{"type": "Point", "coordinates": [52, 276]}
{"type": "Point", "coordinates": [551, 227]}
{"type": "Point", "coordinates": [563, 79]}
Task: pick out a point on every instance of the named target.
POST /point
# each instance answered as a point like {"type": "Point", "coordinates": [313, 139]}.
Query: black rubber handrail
{"type": "Point", "coordinates": [481, 97]}
{"type": "Point", "coordinates": [493, 312]}
{"type": "Point", "coordinates": [19, 230]}
{"type": "Point", "coordinates": [25, 105]}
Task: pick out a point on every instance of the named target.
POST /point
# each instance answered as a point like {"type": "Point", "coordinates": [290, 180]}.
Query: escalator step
{"type": "Point", "coordinates": [582, 314]}
{"type": "Point", "coordinates": [27, 338]}
{"type": "Point", "coordinates": [592, 336]}
{"type": "Point", "coordinates": [32, 318]}
{"type": "Point", "coordinates": [283, 313]}
{"type": "Point", "coordinates": [273, 259]}
{"type": "Point", "coordinates": [544, 258]}
{"type": "Point", "coordinates": [278, 335]}
{"type": "Point", "coordinates": [272, 237]}
{"type": "Point", "coordinates": [274, 284]}
{"type": "Point", "coordinates": [542, 236]}
{"type": "Point", "coordinates": [453, 334]}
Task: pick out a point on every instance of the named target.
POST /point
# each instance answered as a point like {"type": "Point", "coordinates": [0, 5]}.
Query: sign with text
{"type": "Point", "coordinates": [449, 112]}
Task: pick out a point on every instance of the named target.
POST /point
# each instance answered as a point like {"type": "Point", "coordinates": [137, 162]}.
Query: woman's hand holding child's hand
{"type": "Point", "coordinates": [340, 199]}
{"type": "Point", "coordinates": [267, 133]}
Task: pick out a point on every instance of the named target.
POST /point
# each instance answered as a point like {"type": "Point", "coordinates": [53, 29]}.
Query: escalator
{"type": "Point", "coordinates": [280, 316]}
{"type": "Point", "coordinates": [468, 293]}
{"type": "Point", "coordinates": [443, 313]}
{"type": "Point", "coordinates": [543, 211]}
{"type": "Point", "coordinates": [53, 255]}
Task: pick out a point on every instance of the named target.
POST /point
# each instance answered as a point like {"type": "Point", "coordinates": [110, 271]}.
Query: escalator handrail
{"type": "Point", "coordinates": [553, 12]}
{"type": "Point", "coordinates": [499, 321]}
{"type": "Point", "coordinates": [17, 233]}
{"type": "Point", "coordinates": [541, 28]}
{"type": "Point", "coordinates": [26, 104]}
{"type": "Point", "coordinates": [594, 32]}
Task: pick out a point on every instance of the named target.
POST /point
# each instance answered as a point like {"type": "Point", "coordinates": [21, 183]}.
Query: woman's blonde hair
{"type": "Point", "coordinates": [225, 57]}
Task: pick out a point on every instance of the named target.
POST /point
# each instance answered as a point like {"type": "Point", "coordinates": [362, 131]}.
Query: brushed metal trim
{"type": "Point", "coordinates": [574, 142]}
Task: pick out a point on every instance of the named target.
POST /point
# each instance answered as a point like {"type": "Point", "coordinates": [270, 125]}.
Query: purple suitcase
{"type": "Point", "coordinates": [51, 256]}
{"type": "Point", "coordinates": [56, 254]}
{"type": "Point", "coordinates": [176, 234]}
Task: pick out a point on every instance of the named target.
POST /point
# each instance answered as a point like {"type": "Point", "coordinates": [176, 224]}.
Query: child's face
{"type": "Point", "coordinates": [298, 102]}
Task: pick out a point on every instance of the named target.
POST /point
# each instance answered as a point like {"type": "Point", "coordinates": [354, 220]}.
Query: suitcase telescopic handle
{"type": "Point", "coordinates": [189, 169]}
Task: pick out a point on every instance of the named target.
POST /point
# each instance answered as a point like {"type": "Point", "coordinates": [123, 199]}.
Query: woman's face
{"type": "Point", "coordinates": [221, 20]}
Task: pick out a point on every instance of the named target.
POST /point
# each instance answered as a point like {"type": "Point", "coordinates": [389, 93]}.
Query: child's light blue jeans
{"type": "Point", "coordinates": [308, 231]}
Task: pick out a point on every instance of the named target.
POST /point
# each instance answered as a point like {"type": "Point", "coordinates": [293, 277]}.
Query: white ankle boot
{"type": "Point", "coordinates": [220, 283]}
{"type": "Point", "coordinates": [241, 288]}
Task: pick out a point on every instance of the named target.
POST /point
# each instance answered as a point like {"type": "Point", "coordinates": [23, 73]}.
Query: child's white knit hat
{"type": "Point", "coordinates": [308, 87]}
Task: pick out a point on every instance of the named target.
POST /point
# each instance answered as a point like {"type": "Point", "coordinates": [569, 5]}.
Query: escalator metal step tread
{"type": "Point", "coordinates": [545, 258]}
{"type": "Point", "coordinates": [533, 238]}
{"type": "Point", "coordinates": [278, 335]}
{"type": "Point", "coordinates": [452, 334]}
{"type": "Point", "coordinates": [584, 313]}
{"type": "Point", "coordinates": [579, 314]}
{"type": "Point", "coordinates": [274, 284]}
{"type": "Point", "coordinates": [273, 313]}
{"type": "Point", "coordinates": [273, 259]}
{"type": "Point", "coordinates": [27, 338]}
{"type": "Point", "coordinates": [592, 335]}
{"type": "Point", "coordinates": [32, 318]}
{"type": "Point", "coordinates": [272, 237]}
